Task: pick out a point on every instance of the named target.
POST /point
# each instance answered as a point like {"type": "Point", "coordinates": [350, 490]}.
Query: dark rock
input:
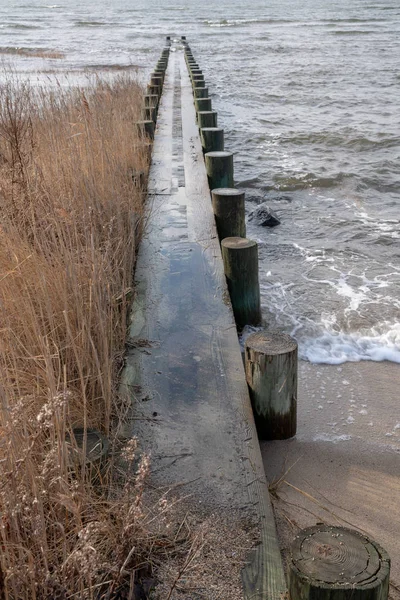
{"type": "Point", "coordinates": [263, 215]}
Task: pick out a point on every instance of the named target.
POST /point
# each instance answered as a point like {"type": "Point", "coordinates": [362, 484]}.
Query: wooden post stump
{"type": "Point", "coordinates": [154, 90]}
{"type": "Point", "coordinates": [212, 139]}
{"type": "Point", "coordinates": [219, 167]}
{"type": "Point", "coordinates": [159, 73]}
{"type": "Point", "coordinates": [156, 80]}
{"type": "Point", "coordinates": [200, 92]}
{"type": "Point", "coordinates": [203, 104]}
{"type": "Point", "coordinates": [207, 118]}
{"type": "Point", "coordinates": [228, 206]}
{"type": "Point", "coordinates": [335, 563]}
{"type": "Point", "coordinates": [149, 113]}
{"type": "Point", "coordinates": [240, 258]}
{"type": "Point", "coordinates": [271, 374]}
{"type": "Point", "coordinates": [198, 81]}
{"type": "Point", "coordinates": [151, 100]}
{"type": "Point", "coordinates": [146, 128]}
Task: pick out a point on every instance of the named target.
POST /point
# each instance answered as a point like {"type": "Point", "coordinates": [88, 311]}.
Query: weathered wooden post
{"type": "Point", "coordinates": [151, 100]}
{"type": "Point", "coordinates": [146, 128]}
{"type": "Point", "coordinates": [229, 211]}
{"type": "Point", "coordinates": [200, 92]}
{"type": "Point", "coordinates": [159, 73]}
{"type": "Point", "coordinates": [203, 104]}
{"type": "Point", "coordinates": [219, 167]}
{"type": "Point", "coordinates": [240, 257]}
{"type": "Point", "coordinates": [194, 72]}
{"type": "Point", "coordinates": [212, 139]}
{"type": "Point", "coordinates": [207, 118]}
{"type": "Point", "coordinates": [153, 90]}
{"type": "Point", "coordinates": [271, 373]}
{"type": "Point", "coordinates": [336, 563]}
{"type": "Point", "coordinates": [149, 113]}
{"type": "Point", "coordinates": [198, 83]}
{"type": "Point", "coordinates": [156, 80]}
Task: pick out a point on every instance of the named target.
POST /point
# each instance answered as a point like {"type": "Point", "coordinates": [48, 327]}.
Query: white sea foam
{"type": "Point", "coordinates": [380, 343]}
{"type": "Point", "coordinates": [330, 437]}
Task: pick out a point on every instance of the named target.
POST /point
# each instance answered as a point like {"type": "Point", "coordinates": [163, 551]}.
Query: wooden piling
{"type": "Point", "coordinates": [240, 257]}
{"type": "Point", "coordinates": [200, 92]}
{"type": "Point", "coordinates": [271, 373]}
{"type": "Point", "coordinates": [229, 211]}
{"type": "Point", "coordinates": [207, 118]}
{"type": "Point", "coordinates": [149, 113]}
{"type": "Point", "coordinates": [203, 104]}
{"type": "Point", "coordinates": [198, 81]}
{"type": "Point", "coordinates": [156, 80]}
{"type": "Point", "coordinates": [336, 563]}
{"type": "Point", "coordinates": [151, 100]}
{"type": "Point", "coordinates": [146, 128]}
{"type": "Point", "coordinates": [154, 90]}
{"type": "Point", "coordinates": [212, 139]}
{"type": "Point", "coordinates": [219, 167]}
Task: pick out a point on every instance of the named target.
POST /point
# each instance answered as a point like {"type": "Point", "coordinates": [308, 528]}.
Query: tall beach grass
{"type": "Point", "coordinates": [70, 221]}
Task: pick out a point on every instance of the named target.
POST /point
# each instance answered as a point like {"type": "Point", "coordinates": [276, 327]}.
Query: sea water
{"type": "Point", "coordinates": [307, 92]}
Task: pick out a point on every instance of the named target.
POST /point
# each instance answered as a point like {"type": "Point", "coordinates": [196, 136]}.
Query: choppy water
{"type": "Point", "coordinates": [307, 91]}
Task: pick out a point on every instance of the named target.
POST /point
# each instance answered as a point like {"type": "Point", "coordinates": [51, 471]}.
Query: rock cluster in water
{"type": "Point", "coordinates": [264, 216]}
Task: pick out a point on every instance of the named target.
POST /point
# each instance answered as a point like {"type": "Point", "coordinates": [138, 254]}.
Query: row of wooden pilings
{"type": "Point", "coordinates": [270, 358]}
{"type": "Point", "coordinates": [152, 98]}
{"type": "Point", "coordinates": [331, 563]}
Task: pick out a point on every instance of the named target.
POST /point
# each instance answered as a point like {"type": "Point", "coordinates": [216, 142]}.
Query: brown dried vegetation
{"type": "Point", "coordinates": [70, 219]}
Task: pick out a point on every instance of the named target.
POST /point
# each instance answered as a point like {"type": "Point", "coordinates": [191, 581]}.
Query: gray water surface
{"type": "Point", "coordinates": [307, 92]}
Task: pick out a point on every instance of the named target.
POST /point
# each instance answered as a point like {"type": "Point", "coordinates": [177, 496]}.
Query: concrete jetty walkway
{"type": "Point", "coordinates": [184, 367]}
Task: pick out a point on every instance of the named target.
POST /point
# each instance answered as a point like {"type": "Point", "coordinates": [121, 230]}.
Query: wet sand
{"type": "Point", "coordinates": [343, 467]}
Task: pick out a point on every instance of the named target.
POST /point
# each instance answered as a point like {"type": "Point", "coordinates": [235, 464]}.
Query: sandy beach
{"type": "Point", "coordinates": [343, 467]}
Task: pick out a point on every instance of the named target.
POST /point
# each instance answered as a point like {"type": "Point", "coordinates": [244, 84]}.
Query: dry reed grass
{"type": "Point", "coordinates": [31, 52]}
{"type": "Point", "coordinates": [70, 220]}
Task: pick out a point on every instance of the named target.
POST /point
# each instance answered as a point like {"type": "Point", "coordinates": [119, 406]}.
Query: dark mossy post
{"type": "Point", "coordinates": [146, 128]}
{"type": "Point", "coordinates": [196, 83]}
{"type": "Point", "coordinates": [155, 80]}
{"type": "Point", "coordinates": [159, 73]}
{"type": "Point", "coordinates": [228, 207]}
{"type": "Point", "coordinates": [195, 72]}
{"type": "Point", "coordinates": [219, 167]}
{"type": "Point", "coordinates": [151, 100]}
{"type": "Point", "coordinates": [271, 374]}
{"type": "Point", "coordinates": [207, 118]}
{"type": "Point", "coordinates": [154, 90]}
{"type": "Point", "coordinates": [335, 563]}
{"type": "Point", "coordinates": [212, 139]}
{"type": "Point", "coordinates": [203, 104]}
{"type": "Point", "coordinates": [149, 114]}
{"type": "Point", "coordinates": [240, 257]}
{"type": "Point", "coordinates": [200, 92]}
